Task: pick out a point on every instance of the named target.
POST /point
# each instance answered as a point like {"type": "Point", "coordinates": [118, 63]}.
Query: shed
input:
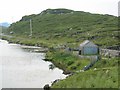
{"type": "Point", "coordinates": [88, 48]}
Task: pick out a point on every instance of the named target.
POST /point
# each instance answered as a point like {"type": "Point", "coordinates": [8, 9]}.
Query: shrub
{"type": "Point", "coordinates": [78, 64]}
{"type": "Point", "coordinates": [73, 67]}
{"type": "Point", "coordinates": [70, 63]}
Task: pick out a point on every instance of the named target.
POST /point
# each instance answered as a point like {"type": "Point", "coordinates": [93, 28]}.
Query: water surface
{"type": "Point", "coordinates": [23, 69]}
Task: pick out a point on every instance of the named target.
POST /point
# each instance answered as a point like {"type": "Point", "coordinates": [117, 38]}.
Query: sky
{"type": "Point", "coordinates": [13, 10]}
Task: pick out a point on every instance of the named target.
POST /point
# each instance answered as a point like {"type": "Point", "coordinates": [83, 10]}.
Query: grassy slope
{"type": "Point", "coordinates": [69, 28]}
{"type": "Point", "coordinates": [106, 76]}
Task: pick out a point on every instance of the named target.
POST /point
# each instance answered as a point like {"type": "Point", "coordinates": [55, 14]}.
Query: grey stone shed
{"type": "Point", "coordinates": [88, 48]}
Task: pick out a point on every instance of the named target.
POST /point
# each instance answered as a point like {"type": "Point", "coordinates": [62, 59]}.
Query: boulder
{"type": "Point", "coordinates": [46, 87]}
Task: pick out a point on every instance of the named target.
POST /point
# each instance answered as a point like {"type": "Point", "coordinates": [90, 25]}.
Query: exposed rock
{"type": "Point", "coordinates": [56, 11]}
{"type": "Point", "coordinates": [67, 72]}
{"type": "Point", "coordinates": [46, 87]}
{"type": "Point", "coordinates": [55, 81]}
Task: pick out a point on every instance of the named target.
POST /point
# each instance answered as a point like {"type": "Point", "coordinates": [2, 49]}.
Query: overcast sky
{"type": "Point", "coordinates": [13, 10]}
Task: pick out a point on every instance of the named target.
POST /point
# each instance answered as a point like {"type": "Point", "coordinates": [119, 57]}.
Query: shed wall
{"type": "Point", "coordinates": [90, 50]}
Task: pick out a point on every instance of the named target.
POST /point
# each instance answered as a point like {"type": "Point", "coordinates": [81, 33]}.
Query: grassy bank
{"type": "Point", "coordinates": [65, 60]}
{"type": "Point", "coordinates": [104, 76]}
{"type": "Point", "coordinates": [23, 40]}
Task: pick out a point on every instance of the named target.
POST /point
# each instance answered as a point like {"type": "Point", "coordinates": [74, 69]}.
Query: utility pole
{"type": "Point", "coordinates": [1, 31]}
{"type": "Point", "coordinates": [30, 27]}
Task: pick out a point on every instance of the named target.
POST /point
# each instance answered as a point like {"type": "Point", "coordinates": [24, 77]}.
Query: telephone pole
{"type": "Point", "coordinates": [1, 31]}
{"type": "Point", "coordinates": [30, 27]}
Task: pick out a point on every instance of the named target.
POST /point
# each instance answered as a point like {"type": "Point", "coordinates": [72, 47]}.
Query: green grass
{"type": "Point", "coordinates": [69, 28]}
{"type": "Point", "coordinates": [91, 79]}
{"type": "Point", "coordinates": [66, 60]}
{"type": "Point", "coordinates": [105, 76]}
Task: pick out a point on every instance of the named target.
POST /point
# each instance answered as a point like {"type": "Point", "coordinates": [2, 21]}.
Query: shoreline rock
{"type": "Point", "coordinates": [46, 87]}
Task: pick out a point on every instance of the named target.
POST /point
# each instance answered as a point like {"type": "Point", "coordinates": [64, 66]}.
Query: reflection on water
{"type": "Point", "coordinates": [21, 69]}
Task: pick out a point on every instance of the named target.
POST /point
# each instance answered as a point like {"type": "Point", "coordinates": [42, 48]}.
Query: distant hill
{"type": "Point", "coordinates": [3, 29]}
{"type": "Point", "coordinates": [5, 24]}
{"type": "Point", "coordinates": [68, 26]}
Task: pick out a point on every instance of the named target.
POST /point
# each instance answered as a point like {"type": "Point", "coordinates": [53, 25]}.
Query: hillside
{"type": "Point", "coordinates": [63, 26]}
